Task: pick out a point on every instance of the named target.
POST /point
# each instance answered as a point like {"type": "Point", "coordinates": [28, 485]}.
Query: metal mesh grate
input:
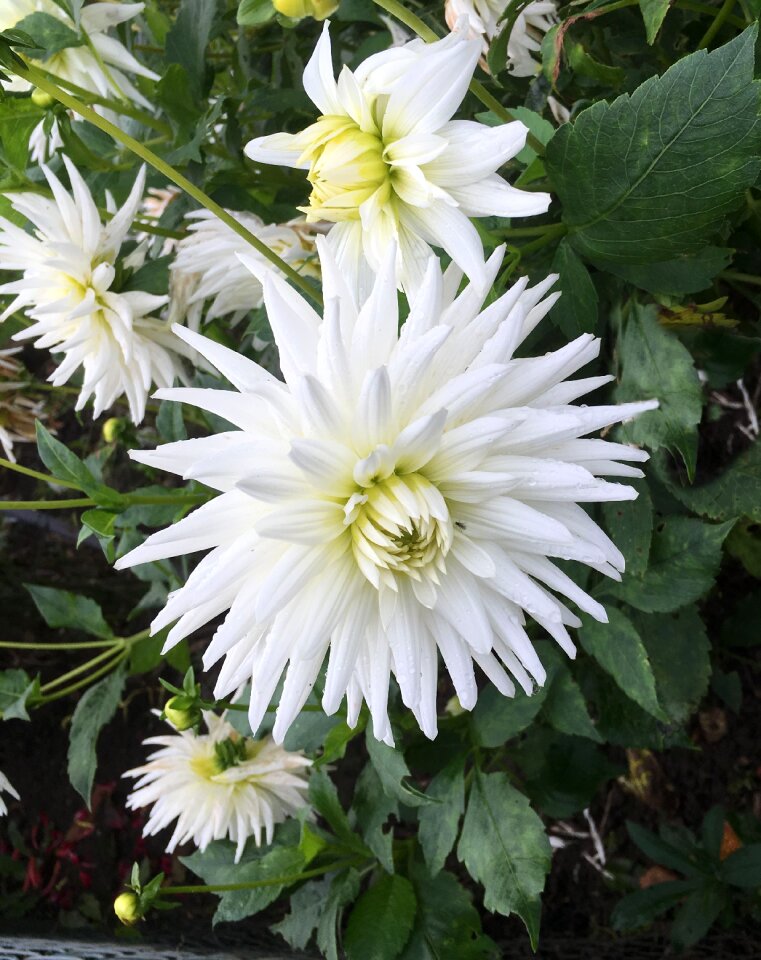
{"type": "Point", "coordinates": [30, 948]}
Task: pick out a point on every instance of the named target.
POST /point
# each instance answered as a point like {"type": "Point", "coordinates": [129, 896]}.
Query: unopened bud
{"type": "Point", "coordinates": [110, 429]}
{"type": "Point", "coordinates": [180, 715]}
{"type": "Point", "coordinates": [297, 9]}
{"type": "Point", "coordinates": [42, 99]}
{"type": "Point", "coordinates": [127, 908]}
{"type": "Point", "coordinates": [454, 708]}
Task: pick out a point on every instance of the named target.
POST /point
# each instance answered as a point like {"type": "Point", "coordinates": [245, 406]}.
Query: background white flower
{"type": "Point", "coordinates": [19, 412]}
{"type": "Point", "coordinates": [6, 787]}
{"type": "Point", "coordinates": [218, 785]}
{"type": "Point", "coordinates": [209, 253]}
{"type": "Point", "coordinates": [388, 164]}
{"type": "Point", "coordinates": [399, 496]}
{"type": "Point", "coordinates": [525, 40]}
{"type": "Point", "coordinates": [68, 267]}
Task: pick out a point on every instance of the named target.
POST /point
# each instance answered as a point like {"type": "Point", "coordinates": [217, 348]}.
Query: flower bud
{"type": "Point", "coordinates": [110, 429]}
{"type": "Point", "coordinates": [127, 908]}
{"type": "Point", "coordinates": [296, 9]}
{"type": "Point", "coordinates": [42, 99]}
{"type": "Point", "coordinates": [181, 715]}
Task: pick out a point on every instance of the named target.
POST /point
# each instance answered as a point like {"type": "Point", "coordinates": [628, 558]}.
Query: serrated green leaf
{"type": "Point", "coordinates": [343, 891]}
{"type": "Point", "coordinates": [93, 712]}
{"type": "Point", "coordinates": [686, 274]}
{"type": "Point", "coordinates": [619, 650]}
{"type": "Point", "coordinates": [684, 559]}
{"type": "Point", "coordinates": [734, 493]}
{"type": "Point", "coordinates": [655, 365]}
{"type": "Point", "coordinates": [565, 708]}
{"type": "Point", "coordinates": [381, 921]}
{"type": "Point", "coordinates": [653, 13]}
{"type": "Point", "coordinates": [372, 808]}
{"type": "Point", "coordinates": [49, 33]}
{"type": "Point", "coordinates": [439, 822]}
{"type": "Point", "coordinates": [59, 608]}
{"type": "Point", "coordinates": [306, 908]}
{"type": "Point", "coordinates": [16, 688]}
{"type": "Point", "coordinates": [392, 771]}
{"type": "Point", "coordinates": [497, 718]}
{"type": "Point", "coordinates": [65, 465]}
{"type": "Point", "coordinates": [324, 798]}
{"type": "Point", "coordinates": [576, 310]}
{"type": "Point", "coordinates": [615, 168]}
{"type": "Point", "coordinates": [630, 524]}
{"type": "Point", "coordinates": [188, 38]}
{"type": "Point", "coordinates": [504, 848]}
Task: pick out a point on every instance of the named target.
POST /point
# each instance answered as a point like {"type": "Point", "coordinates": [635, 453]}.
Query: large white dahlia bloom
{"type": "Point", "coordinates": [399, 496]}
{"type": "Point", "coordinates": [484, 19]}
{"type": "Point", "coordinates": [209, 254]}
{"type": "Point", "coordinates": [6, 787]}
{"type": "Point", "coordinates": [218, 785]}
{"type": "Point", "coordinates": [100, 64]}
{"type": "Point", "coordinates": [68, 267]}
{"type": "Point", "coordinates": [388, 164]}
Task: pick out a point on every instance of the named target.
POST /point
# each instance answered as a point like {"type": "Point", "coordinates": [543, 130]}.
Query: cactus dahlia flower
{"type": "Point", "coordinates": [387, 163]}
{"type": "Point", "coordinates": [219, 784]}
{"type": "Point", "coordinates": [402, 495]}
{"type": "Point", "coordinates": [69, 268]}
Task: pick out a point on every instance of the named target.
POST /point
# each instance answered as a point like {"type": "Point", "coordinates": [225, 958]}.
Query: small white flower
{"type": "Point", "coordinates": [210, 251]}
{"type": "Point", "coordinates": [99, 66]}
{"type": "Point", "coordinates": [218, 785]}
{"type": "Point", "coordinates": [399, 496]}
{"type": "Point", "coordinates": [68, 268]}
{"type": "Point", "coordinates": [485, 23]}
{"type": "Point", "coordinates": [388, 164]}
{"type": "Point", "coordinates": [6, 787]}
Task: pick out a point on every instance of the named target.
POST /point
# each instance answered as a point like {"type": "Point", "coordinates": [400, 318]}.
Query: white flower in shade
{"type": "Point", "coordinates": [68, 267]}
{"type": "Point", "coordinates": [388, 164]}
{"type": "Point", "coordinates": [6, 787]}
{"type": "Point", "coordinates": [484, 19]}
{"type": "Point", "coordinates": [218, 785]}
{"type": "Point", "coordinates": [210, 250]}
{"type": "Point", "coordinates": [101, 63]}
{"type": "Point", "coordinates": [399, 496]}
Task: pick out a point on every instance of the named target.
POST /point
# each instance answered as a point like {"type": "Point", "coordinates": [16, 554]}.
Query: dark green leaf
{"type": "Point", "coordinates": [688, 274]}
{"type": "Point", "coordinates": [439, 822]}
{"type": "Point", "coordinates": [65, 465]}
{"type": "Point", "coordinates": [16, 688]}
{"type": "Point", "coordinates": [343, 891]}
{"type": "Point", "coordinates": [743, 867]}
{"type": "Point", "coordinates": [697, 914]}
{"type": "Point", "coordinates": [337, 740]}
{"type": "Point", "coordinates": [93, 712]}
{"type": "Point", "coordinates": [152, 277]}
{"type": "Point", "coordinates": [169, 422]}
{"type": "Point", "coordinates": [615, 168]}
{"type": "Point", "coordinates": [324, 798]}
{"type": "Point", "coordinates": [734, 493]}
{"type": "Point", "coordinates": [712, 831]}
{"type": "Point", "coordinates": [619, 650]}
{"type": "Point", "coordinates": [253, 12]}
{"type": "Point", "coordinates": [504, 847]}
{"type": "Point", "coordinates": [59, 608]}
{"type": "Point", "coordinates": [186, 42]}
{"type": "Point", "coordinates": [682, 858]}
{"type": "Point", "coordinates": [372, 808]}
{"type": "Point", "coordinates": [576, 310]}
{"type": "Point", "coordinates": [392, 770]}
{"type": "Point", "coordinates": [585, 65]}
{"type": "Point", "coordinates": [630, 524]}
{"type": "Point", "coordinates": [381, 921]}
{"type": "Point", "coordinates": [641, 908]}
{"type": "Point", "coordinates": [49, 33]}
{"type": "Point", "coordinates": [307, 904]}
{"type": "Point", "coordinates": [497, 718]}
{"type": "Point", "coordinates": [653, 13]}
{"type": "Point", "coordinates": [565, 708]}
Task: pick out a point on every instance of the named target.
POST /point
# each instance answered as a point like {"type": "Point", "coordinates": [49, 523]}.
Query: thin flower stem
{"type": "Point", "coordinates": [558, 230]}
{"type": "Point", "coordinates": [718, 22]}
{"type": "Point", "coordinates": [413, 21]}
{"type": "Point", "coordinates": [82, 668]}
{"type": "Point", "coordinates": [84, 645]}
{"type": "Point", "coordinates": [741, 277]}
{"type": "Point", "coordinates": [106, 668]}
{"type": "Point", "coordinates": [35, 76]}
{"type": "Point", "coordinates": [46, 504]}
{"type": "Point", "coordinates": [709, 11]}
{"type": "Point", "coordinates": [27, 472]}
{"type": "Point", "coordinates": [269, 882]}
{"type": "Point", "coordinates": [530, 231]}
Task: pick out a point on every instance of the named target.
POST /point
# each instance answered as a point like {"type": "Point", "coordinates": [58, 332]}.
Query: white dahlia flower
{"type": "Point", "coordinates": [218, 785]}
{"type": "Point", "coordinates": [68, 267]}
{"type": "Point", "coordinates": [210, 250]}
{"type": "Point", "coordinates": [399, 496]}
{"type": "Point", "coordinates": [101, 63]}
{"type": "Point", "coordinates": [484, 19]}
{"type": "Point", "coordinates": [388, 164]}
{"type": "Point", "coordinates": [6, 787]}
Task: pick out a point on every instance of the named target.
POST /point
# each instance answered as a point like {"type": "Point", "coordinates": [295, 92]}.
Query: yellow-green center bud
{"type": "Point", "coordinates": [296, 9]}
{"type": "Point", "coordinates": [180, 715]}
{"type": "Point", "coordinates": [111, 429]}
{"type": "Point", "coordinates": [127, 908]}
{"type": "Point", "coordinates": [42, 99]}
{"type": "Point", "coordinates": [346, 168]}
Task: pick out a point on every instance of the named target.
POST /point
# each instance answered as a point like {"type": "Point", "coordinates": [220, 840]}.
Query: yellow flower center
{"type": "Point", "coordinates": [346, 168]}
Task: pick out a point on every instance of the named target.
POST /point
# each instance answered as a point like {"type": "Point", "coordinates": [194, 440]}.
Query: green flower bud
{"type": "Point", "coordinates": [127, 908]}
{"type": "Point", "coordinates": [181, 714]}
{"type": "Point", "coordinates": [297, 9]}
{"type": "Point", "coordinates": [42, 99]}
{"type": "Point", "coordinates": [111, 429]}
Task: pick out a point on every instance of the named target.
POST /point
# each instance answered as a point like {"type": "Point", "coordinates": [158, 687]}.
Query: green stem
{"type": "Point", "coordinates": [106, 668]}
{"type": "Point", "coordinates": [708, 11]}
{"type": "Point", "coordinates": [530, 231]}
{"type": "Point", "coordinates": [46, 504]}
{"type": "Point", "coordinates": [84, 645]}
{"type": "Point", "coordinates": [741, 277]}
{"type": "Point", "coordinates": [411, 20]}
{"type": "Point", "coordinates": [269, 882]}
{"type": "Point", "coordinates": [558, 230]}
{"type": "Point", "coordinates": [35, 76]}
{"type": "Point", "coordinates": [718, 22]}
{"type": "Point", "coordinates": [17, 468]}
{"type": "Point", "coordinates": [82, 668]}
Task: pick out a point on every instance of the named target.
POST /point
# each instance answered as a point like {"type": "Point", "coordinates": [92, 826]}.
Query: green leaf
{"type": "Point", "coordinates": [65, 465]}
{"type": "Point", "coordinates": [685, 274]}
{"type": "Point", "coordinates": [343, 891]}
{"type": "Point", "coordinates": [565, 708]}
{"type": "Point", "coordinates": [697, 914]}
{"type": "Point", "coordinates": [50, 34]}
{"type": "Point", "coordinates": [307, 904]}
{"type": "Point", "coordinates": [251, 13]}
{"type": "Point", "coordinates": [372, 808]}
{"type": "Point", "coordinates": [683, 858]}
{"type": "Point", "coordinates": [497, 718]}
{"type": "Point", "coordinates": [734, 493]}
{"type": "Point", "coordinates": [392, 770]}
{"type": "Point", "coordinates": [504, 847]}
{"type": "Point", "coordinates": [152, 277]}
{"type": "Point", "coordinates": [447, 924]}
{"type": "Point", "coordinates": [585, 65]}
{"type": "Point", "coordinates": [655, 365]}
{"type": "Point", "coordinates": [712, 831]}
{"type": "Point", "coordinates": [59, 608]}
{"type": "Point", "coordinates": [743, 867]}
{"type": "Point", "coordinates": [576, 310]}
{"type": "Point", "coordinates": [186, 42]}
{"type": "Point", "coordinates": [653, 13]}
{"type": "Point", "coordinates": [439, 822]}
{"type": "Point", "coordinates": [338, 739]}
{"type": "Point", "coordinates": [169, 422]}
{"type": "Point", "coordinates": [94, 711]}
{"type": "Point", "coordinates": [684, 559]}
{"type": "Point", "coordinates": [381, 921]}
{"type": "Point", "coordinates": [641, 908]}
{"type": "Point", "coordinates": [654, 174]}
{"type": "Point", "coordinates": [630, 524]}
{"type": "Point", "coordinates": [16, 688]}
{"type": "Point", "coordinates": [324, 798]}
{"type": "Point", "coordinates": [619, 650]}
